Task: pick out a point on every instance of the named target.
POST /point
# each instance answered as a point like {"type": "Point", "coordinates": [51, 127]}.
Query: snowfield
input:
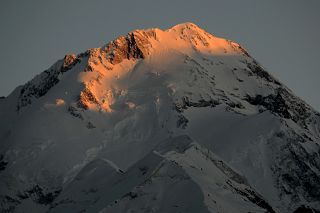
{"type": "Point", "coordinates": [158, 121]}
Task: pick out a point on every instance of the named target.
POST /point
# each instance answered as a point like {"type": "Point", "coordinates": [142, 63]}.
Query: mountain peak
{"type": "Point", "coordinates": [175, 111]}
{"type": "Point", "coordinates": [184, 37]}
{"type": "Point", "coordinates": [186, 25]}
{"type": "Point", "coordinates": [189, 28]}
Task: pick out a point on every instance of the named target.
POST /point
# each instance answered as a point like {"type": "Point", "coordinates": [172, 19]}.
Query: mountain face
{"type": "Point", "coordinates": [158, 121]}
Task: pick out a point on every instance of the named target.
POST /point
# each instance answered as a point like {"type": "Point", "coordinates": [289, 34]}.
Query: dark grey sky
{"type": "Point", "coordinates": [282, 35]}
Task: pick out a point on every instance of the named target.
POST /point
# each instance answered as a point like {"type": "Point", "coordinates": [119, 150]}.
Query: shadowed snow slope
{"type": "Point", "coordinates": [158, 121]}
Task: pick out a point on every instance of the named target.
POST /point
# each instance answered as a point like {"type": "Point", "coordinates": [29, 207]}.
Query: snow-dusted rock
{"type": "Point", "coordinates": [158, 121]}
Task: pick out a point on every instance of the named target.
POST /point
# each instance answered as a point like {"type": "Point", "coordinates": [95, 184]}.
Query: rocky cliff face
{"type": "Point", "coordinates": [152, 117]}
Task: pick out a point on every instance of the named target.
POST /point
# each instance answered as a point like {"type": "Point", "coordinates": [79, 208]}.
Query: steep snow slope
{"type": "Point", "coordinates": [158, 121]}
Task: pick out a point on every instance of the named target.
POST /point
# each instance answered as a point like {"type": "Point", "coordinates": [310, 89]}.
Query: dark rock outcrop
{"type": "Point", "coordinates": [132, 46]}
{"type": "Point", "coordinates": [283, 104]}
{"type": "Point", "coordinates": [43, 82]}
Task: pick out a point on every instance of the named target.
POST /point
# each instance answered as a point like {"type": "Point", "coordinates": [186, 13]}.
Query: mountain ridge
{"type": "Point", "coordinates": [152, 116]}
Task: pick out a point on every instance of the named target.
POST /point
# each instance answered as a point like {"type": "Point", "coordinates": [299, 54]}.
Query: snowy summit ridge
{"type": "Point", "coordinates": [152, 117]}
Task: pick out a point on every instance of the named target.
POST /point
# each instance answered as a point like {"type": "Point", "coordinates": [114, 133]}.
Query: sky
{"type": "Point", "coordinates": [282, 35]}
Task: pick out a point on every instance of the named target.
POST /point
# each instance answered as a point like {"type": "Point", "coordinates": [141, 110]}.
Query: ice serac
{"type": "Point", "coordinates": [152, 117]}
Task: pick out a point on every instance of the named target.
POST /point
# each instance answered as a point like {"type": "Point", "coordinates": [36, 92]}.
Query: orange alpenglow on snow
{"type": "Point", "coordinates": [108, 65]}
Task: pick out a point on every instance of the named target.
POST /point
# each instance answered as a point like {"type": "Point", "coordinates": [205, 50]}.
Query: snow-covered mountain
{"type": "Point", "coordinates": [158, 121]}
